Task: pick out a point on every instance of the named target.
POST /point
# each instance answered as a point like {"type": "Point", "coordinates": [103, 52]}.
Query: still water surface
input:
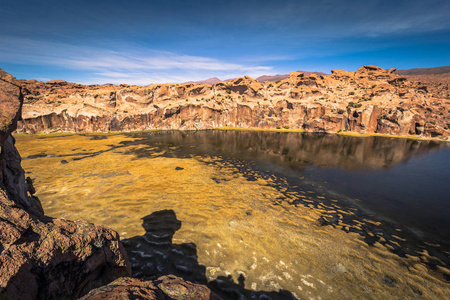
{"type": "Point", "coordinates": [261, 214]}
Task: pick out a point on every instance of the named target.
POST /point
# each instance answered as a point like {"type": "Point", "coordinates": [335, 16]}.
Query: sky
{"type": "Point", "coordinates": [157, 41]}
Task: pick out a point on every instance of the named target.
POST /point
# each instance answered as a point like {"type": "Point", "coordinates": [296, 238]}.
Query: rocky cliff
{"type": "Point", "coordinates": [43, 257]}
{"type": "Point", "coordinates": [370, 100]}
{"type": "Point", "coordinates": [48, 258]}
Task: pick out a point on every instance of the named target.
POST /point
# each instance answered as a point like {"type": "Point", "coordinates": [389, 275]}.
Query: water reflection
{"type": "Point", "coordinates": [300, 149]}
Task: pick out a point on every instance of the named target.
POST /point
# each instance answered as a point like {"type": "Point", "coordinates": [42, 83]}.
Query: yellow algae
{"type": "Point", "coordinates": [238, 226]}
{"type": "Point", "coordinates": [260, 129]}
{"type": "Point", "coordinates": [411, 137]}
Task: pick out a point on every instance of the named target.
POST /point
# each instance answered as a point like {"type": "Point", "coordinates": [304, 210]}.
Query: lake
{"type": "Point", "coordinates": [262, 215]}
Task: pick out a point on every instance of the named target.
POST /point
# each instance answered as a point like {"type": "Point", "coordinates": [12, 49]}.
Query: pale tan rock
{"type": "Point", "coordinates": [366, 101]}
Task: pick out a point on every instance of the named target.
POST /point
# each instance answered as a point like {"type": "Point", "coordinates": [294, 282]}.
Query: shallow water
{"type": "Point", "coordinates": [260, 214]}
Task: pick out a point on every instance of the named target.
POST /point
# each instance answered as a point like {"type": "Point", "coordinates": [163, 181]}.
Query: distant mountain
{"type": "Point", "coordinates": [212, 80]}
{"type": "Point", "coordinates": [272, 77]}
{"type": "Point", "coordinates": [284, 76]}
{"type": "Point", "coordinates": [422, 71]}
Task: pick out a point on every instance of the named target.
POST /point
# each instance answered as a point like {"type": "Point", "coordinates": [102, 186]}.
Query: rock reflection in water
{"type": "Point", "coordinates": [300, 149]}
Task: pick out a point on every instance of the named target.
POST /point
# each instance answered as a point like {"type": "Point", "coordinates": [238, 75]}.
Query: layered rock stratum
{"type": "Point", "coordinates": [49, 258]}
{"type": "Point", "coordinates": [370, 100]}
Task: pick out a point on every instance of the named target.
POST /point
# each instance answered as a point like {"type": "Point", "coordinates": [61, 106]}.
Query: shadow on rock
{"type": "Point", "coordinates": [154, 254]}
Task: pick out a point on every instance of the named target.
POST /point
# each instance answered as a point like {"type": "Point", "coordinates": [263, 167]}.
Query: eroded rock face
{"type": "Point", "coordinates": [43, 257]}
{"type": "Point", "coordinates": [165, 287]}
{"type": "Point", "coordinates": [46, 258]}
{"type": "Point", "coordinates": [370, 100]}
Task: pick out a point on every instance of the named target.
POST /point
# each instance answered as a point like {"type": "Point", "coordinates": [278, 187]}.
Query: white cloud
{"type": "Point", "coordinates": [133, 66]}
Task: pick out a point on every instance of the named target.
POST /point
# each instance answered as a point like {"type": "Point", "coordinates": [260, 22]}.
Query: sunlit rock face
{"type": "Point", "coordinates": [370, 100]}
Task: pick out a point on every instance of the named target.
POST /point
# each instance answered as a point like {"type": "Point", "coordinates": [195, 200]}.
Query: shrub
{"type": "Point", "coordinates": [278, 127]}
{"type": "Point", "coordinates": [155, 106]}
{"type": "Point", "coordinates": [341, 111]}
{"type": "Point", "coordinates": [353, 104]}
{"type": "Point", "coordinates": [351, 93]}
{"type": "Point", "coordinates": [182, 122]}
{"type": "Point", "coordinates": [286, 127]}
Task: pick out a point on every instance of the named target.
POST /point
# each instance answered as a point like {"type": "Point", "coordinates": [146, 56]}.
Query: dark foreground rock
{"type": "Point", "coordinates": [46, 258]}
{"type": "Point", "coordinates": [43, 257]}
{"type": "Point", "coordinates": [165, 287]}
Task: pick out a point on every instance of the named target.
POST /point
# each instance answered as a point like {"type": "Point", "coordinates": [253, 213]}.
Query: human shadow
{"type": "Point", "coordinates": [154, 254]}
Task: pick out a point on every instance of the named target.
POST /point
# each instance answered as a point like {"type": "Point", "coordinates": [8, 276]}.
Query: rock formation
{"type": "Point", "coordinates": [48, 258]}
{"type": "Point", "coordinates": [165, 287]}
{"type": "Point", "coordinates": [370, 100]}
{"type": "Point", "coordinates": [43, 257]}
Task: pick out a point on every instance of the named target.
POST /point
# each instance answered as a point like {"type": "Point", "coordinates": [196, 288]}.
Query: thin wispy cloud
{"type": "Point", "coordinates": [134, 66]}
{"type": "Point", "coordinates": [155, 41]}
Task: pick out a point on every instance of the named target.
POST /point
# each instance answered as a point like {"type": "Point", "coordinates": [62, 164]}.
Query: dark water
{"type": "Point", "coordinates": [401, 180]}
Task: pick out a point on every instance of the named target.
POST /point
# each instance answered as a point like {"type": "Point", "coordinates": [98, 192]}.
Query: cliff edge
{"type": "Point", "coordinates": [370, 100]}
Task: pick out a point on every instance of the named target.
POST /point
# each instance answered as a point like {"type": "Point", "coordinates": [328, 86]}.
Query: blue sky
{"type": "Point", "coordinates": [145, 41]}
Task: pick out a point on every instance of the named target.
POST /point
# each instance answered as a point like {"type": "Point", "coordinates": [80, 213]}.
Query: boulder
{"type": "Point", "coordinates": [165, 287]}
{"type": "Point", "coordinates": [43, 257]}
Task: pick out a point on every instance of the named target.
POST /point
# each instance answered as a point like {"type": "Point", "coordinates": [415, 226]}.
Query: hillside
{"type": "Point", "coordinates": [422, 71]}
{"type": "Point", "coordinates": [370, 100]}
{"type": "Point", "coordinates": [280, 77]}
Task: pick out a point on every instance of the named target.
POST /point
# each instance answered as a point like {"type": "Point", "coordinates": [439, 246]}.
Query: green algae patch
{"type": "Point", "coordinates": [239, 226]}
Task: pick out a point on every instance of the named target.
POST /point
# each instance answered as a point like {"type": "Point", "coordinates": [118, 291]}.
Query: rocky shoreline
{"type": "Point", "coordinates": [45, 258]}
{"type": "Point", "coordinates": [369, 101]}
{"type": "Point", "coordinates": [49, 258]}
